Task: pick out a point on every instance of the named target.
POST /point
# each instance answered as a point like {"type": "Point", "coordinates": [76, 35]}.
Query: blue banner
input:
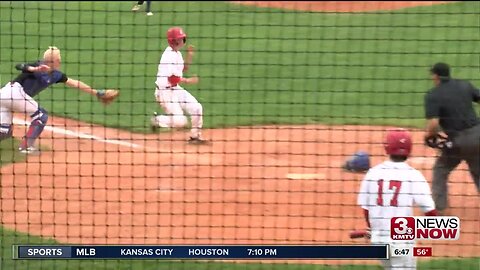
{"type": "Point", "coordinates": [203, 252]}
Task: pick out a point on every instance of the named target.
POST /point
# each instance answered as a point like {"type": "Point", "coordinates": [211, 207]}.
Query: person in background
{"type": "Point", "coordinates": [139, 4]}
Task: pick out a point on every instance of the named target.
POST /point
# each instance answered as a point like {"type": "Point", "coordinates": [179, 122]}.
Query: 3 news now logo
{"type": "Point", "coordinates": [425, 227]}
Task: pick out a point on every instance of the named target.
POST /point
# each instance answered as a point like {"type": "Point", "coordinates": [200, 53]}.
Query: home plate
{"type": "Point", "coordinates": [305, 176]}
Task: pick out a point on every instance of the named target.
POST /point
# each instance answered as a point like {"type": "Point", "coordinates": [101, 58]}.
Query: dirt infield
{"type": "Point", "coordinates": [155, 189]}
{"type": "Point", "coordinates": [340, 6]}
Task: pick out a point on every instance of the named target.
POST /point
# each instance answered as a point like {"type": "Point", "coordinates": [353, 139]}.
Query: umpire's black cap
{"type": "Point", "coordinates": [441, 69]}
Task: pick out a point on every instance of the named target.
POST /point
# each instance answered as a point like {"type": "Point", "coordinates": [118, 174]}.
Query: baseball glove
{"type": "Point", "coordinates": [107, 96]}
{"type": "Point", "coordinates": [438, 141]}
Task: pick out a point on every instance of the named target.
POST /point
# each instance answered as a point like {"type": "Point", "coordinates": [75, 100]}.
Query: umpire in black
{"type": "Point", "coordinates": [449, 106]}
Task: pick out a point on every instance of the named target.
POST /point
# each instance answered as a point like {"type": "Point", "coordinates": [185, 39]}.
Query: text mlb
{"type": "Point", "coordinates": [425, 227]}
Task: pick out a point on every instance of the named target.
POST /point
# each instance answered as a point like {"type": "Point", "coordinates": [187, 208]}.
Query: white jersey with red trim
{"type": "Point", "coordinates": [390, 189]}
{"type": "Point", "coordinates": [170, 64]}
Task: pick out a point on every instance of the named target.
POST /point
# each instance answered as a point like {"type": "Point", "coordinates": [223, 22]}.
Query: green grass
{"type": "Point", "coordinates": [257, 66]}
{"type": "Point", "coordinates": [9, 152]}
{"type": "Point", "coordinates": [10, 238]}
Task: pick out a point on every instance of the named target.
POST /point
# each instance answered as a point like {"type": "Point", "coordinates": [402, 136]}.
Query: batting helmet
{"type": "Point", "coordinates": [175, 33]}
{"type": "Point", "coordinates": [398, 142]}
{"type": "Point", "coordinates": [359, 162]}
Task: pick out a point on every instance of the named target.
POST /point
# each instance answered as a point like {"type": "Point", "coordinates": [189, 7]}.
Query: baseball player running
{"type": "Point", "coordinates": [170, 95]}
{"type": "Point", "coordinates": [17, 96]}
{"type": "Point", "coordinates": [390, 189]}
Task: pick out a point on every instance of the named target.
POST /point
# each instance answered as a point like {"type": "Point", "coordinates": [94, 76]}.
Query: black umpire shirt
{"type": "Point", "coordinates": [451, 102]}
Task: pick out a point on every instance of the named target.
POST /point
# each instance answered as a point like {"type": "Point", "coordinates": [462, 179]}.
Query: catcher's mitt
{"type": "Point", "coordinates": [107, 96]}
{"type": "Point", "coordinates": [438, 141]}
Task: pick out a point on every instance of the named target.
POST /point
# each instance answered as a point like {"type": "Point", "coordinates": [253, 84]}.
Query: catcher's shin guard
{"type": "Point", "coordinates": [39, 120]}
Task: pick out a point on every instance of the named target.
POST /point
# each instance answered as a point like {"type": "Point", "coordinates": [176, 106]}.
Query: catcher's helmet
{"type": "Point", "coordinates": [175, 33]}
{"type": "Point", "coordinates": [398, 142]}
{"type": "Point", "coordinates": [359, 162]}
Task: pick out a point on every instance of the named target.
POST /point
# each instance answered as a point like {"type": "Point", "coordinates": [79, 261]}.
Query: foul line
{"type": "Point", "coordinates": [87, 136]}
{"type": "Point", "coordinates": [82, 135]}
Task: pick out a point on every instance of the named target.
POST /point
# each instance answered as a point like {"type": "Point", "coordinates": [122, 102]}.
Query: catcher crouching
{"type": "Point", "coordinates": [17, 96]}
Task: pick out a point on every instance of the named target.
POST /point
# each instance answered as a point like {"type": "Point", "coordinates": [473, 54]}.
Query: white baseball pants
{"type": "Point", "coordinates": [14, 99]}
{"type": "Point", "coordinates": [175, 101]}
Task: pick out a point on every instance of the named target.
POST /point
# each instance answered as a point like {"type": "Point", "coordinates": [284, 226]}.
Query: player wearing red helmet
{"type": "Point", "coordinates": [398, 144]}
{"type": "Point", "coordinates": [390, 189]}
{"type": "Point", "coordinates": [170, 95]}
{"type": "Point", "coordinates": [174, 34]}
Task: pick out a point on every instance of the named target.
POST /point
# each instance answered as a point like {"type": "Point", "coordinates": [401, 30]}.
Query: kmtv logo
{"type": "Point", "coordinates": [428, 228]}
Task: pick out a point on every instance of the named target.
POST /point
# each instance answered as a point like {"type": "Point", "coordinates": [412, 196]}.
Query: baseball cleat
{"type": "Point", "coordinates": [29, 151]}
{"type": "Point", "coordinates": [198, 141]}
{"type": "Point", "coordinates": [153, 122]}
{"type": "Point", "coordinates": [136, 7]}
{"type": "Point", "coordinates": [149, 13]}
